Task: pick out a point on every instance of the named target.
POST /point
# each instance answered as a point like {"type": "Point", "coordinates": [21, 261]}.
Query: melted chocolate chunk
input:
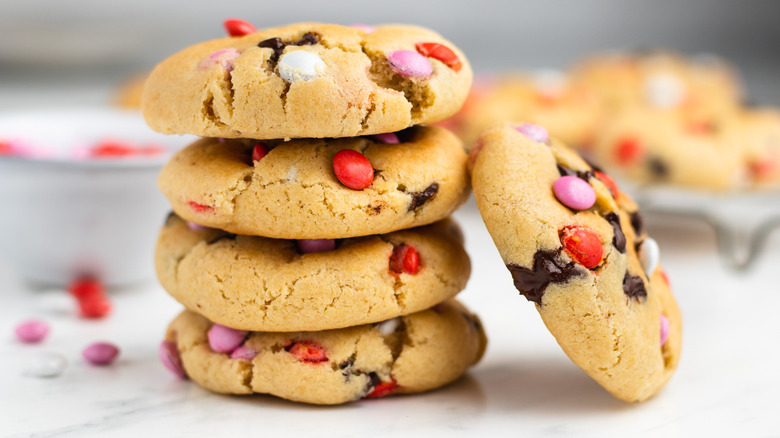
{"type": "Point", "coordinates": [592, 165]}
{"type": "Point", "coordinates": [584, 175]}
{"type": "Point", "coordinates": [658, 167]}
{"type": "Point", "coordinates": [407, 135]}
{"type": "Point", "coordinates": [420, 198]}
{"type": "Point", "coordinates": [373, 380]}
{"type": "Point", "coordinates": [346, 368]}
{"type": "Point", "coordinates": [619, 241]}
{"type": "Point", "coordinates": [636, 222]}
{"type": "Point", "coordinates": [222, 237]}
{"type": "Point", "coordinates": [634, 287]}
{"type": "Point", "coordinates": [308, 39]}
{"type": "Point", "coordinates": [548, 268]}
{"type": "Point", "coordinates": [169, 219]}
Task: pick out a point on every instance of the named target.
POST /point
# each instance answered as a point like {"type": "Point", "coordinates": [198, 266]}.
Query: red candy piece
{"type": "Point", "coordinates": [440, 52]}
{"type": "Point", "coordinates": [199, 208]}
{"type": "Point", "coordinates": [404, 259]}
{"type": "Point", "coordinates": [583, 245]}
{"type": "Point", "coordinates": [307, 351]}
{"type": "Point", "coordinates": [236, 27]}
{"type": "Point", "coordinates": [95, 307]}
{"type": "Point", "coordinates": [665, 277]}
{"type": "Point", "coordinates": [628, 151]}
{"type": "Point", "coordinates": [383, 389]}
{"type": "Point", "coordinates": [353, 169]}
{"type": "Point", "coordinates": [259, 151]}
{"type": "Point", "coordinates": [86, 288]}
{"type": "Point", "coordinates": [112, 148]}
{"type": "Point", "coordinates": [609, 182]}
{"type": "Point", "coordinates": [5, 148]}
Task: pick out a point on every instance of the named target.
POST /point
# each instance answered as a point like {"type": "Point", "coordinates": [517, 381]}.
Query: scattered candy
{"type": "Point", "coordinates": [259, 151]}
{"type": "Point", "coordinates": [649, 254]}
{"type": "Point", "coordinates": [307, 351]}
{"type": "Point", "coordinates": [609, 182]}
{"type": "Point", "coordinates": [300, 65]}
{"type": "Point", "coordinates": [223, 58]}
{"type": "Point", "coordinates": [387, 138]}
{"type": "Point", "coordinates": [629, 150]}
{"type": "Point", "coordinates": [94, 307]}
{"type": "Point", "coordinates": [410, 64]}
{"type": "Point", "coordinates": [383, 389]}
{"type": "Point", "coordinates": [306, 246]}
{"type": "Point", "coordinates": [225, 339]}
{"type": "Point", "coordinates": [100, 353]}
{"type": "Point", "coordinates": [583, 245]}
{"type": "Point", "coordinates": [388, 327]}
{"type": "Point", "coordinates": [404, 259]}
{"type": "Point", "coordinates": [199, 208]}
{"type": "Point", "coordinates": [243, 352]}
{"type": "Point", "coordinates": [169, 356]}
{"type": "Point", "coordinates": [86, 287]}
{"type": "Point", "coordinates": [533, 132]}
{"type": "Point", "coordinates": [353, 169]}
{"type": "Point", "coordinates": [664, 329]}
{"type": "Point", "coordinates": [574, 192]}
{"type": "Point", "coordinates": [440, 52]}
{"type": "Point", "coordinates": [46, 365]}
{"type": "Point", "coordinates": [118, 149]}
{"type": "Point", "coordinates": [91, 297]}
{"type": "Point", "coordinates": [236, 27]}
{"type": "Point", "coordinates": [32, 331]}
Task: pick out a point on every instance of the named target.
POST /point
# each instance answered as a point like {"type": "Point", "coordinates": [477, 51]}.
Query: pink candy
{"type": "Point", "coordinates": [315, 245]}
{"type": "Point", "coordinates": [410, 64]}
{"type": "Point", "coordinates": [664, 329]}
{"type": "Point", "coordinates": [364, 27]}
{"type": "Point", "coordinates": [225, 339]}
{"type": "Point", "coordinates": [387, 138]}
{"type": "Point", "coordinates": [223, 58]}
{"type": "Point", "coordinates": [574, 192]}
{"type": "Point", "coordinates": [195, 227]}
{"type": "Point", "coordinates": [100, 353]}
{"type": "Point", "coordinates": [169, 356]}
{"type": "Point", "coordinates": [32, 331]}
{"type": "Point", "coordinates": [533, 132]}
{"type": "Point", "coordinates": [243, 352]}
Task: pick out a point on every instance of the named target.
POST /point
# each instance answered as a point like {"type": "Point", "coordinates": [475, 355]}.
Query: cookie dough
{"type": "Point", "coordinates": [575, 246]}
{"type": "Point", "coordinates": [256, 283]}
{"type": "Point", "coordinates": [347, 81]}
{"type": "Point", "coordinates": [293, 193]}
{"type": "Point", "coordinates": [404, 355]}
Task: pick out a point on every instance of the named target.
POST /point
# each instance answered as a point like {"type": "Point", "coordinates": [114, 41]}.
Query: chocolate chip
{"type": "Point", "coordinates": [634, 287]}
{"type": "Point", "coordinates": [548, 268]}
{"type": "Point", "coordinates": [592, 165]}
{"type": "Point", "coordinates": [407, 135]}
{"type": "Point", "coordinates": [636, 222]}
{"type": "Point", "coordinates": [658, 167]}
{"type": "Point", "coordinates": [619, 241]}
{"type": "Point", "coordinates": [273, 43]}
{"type": "Point", "coordinates": [584, 175]}
{"type": "Point", "coordinates": [222, 237]}
{"type": "Point", "coordinates": [308, 39]}
{"type": "Point", "coordinates": [346, 368]}
{"type": "Point", "coordinates": [373, 380]}
{"type": "Point", "coordinates": [420, 198]}
{"type": "Point", "coordinates": [170, 218]}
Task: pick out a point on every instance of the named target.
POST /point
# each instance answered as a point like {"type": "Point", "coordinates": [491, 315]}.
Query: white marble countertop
{"type": "Point", "coordinates": [727, 383]}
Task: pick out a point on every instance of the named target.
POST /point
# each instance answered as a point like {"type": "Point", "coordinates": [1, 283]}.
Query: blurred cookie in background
{"type": "Point", "coordinates": [128, 96]}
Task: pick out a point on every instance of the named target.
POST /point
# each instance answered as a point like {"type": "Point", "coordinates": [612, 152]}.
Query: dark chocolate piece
{"type": "Point", "coordinates": [420, 198]}
{"type": "Point", "coordinates": [658, 167]}
{"type": "Point", "coordinates": [548, 268]}
{"type": "Point", "coordinates": [373, 381]}
{"type": "Point", "coordinates": [637, 223]}
{"type": "Point", "coordinates": [222, 237]}
{"type": "Point", "coordinates": [169, 219]}
{"type": "Point", "coordinates": [346, 368]}
{"type": "Point", "coordinates": [584, 175]}
{"type": "Point", "coordinates": [308, 39]}
{"type": "Point", "coordinates": [634, 287]}
{"type": "Point", "coordinates": [620, 239]}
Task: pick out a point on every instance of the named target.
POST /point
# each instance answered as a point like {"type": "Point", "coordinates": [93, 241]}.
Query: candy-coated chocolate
{"type": "Point", "coordinates": [664, 329]}
{"type": "Point", "coordinates": [46, 365]}
{"type": "Point", "coordinates": [649, 254]}
{"type": "Point", "coordinates": [533, 132]}
{"type": "Point", "coordinates": [236, 27]}
{"type": "Point", "coordinates": [387, 138]}
{"type": "Point", "coordinates": [100, 353]}
{"type": "Point", "coordinates": [243, 352]}
{"type": "Point", "coordinates": [388, 327]}
{"type": "Point", "coordinates": [440, 52]}
{"type": "Point", "coordinates": [574, 193]}
{"type": "Point", "coordinates": [169, 356]}
{"type": "Point", "coordinates": [300, 65]}
{"type": "Point", "coordinates": [410, 64]}
{"type": "Point", "coordinates": [225, 339]}
{"type": "Point", "coordinates": [32, 331]}
{"type": "Point", "coordinates": [315, 245]}
{"type": "Point", "coordinates": [583, 245]}
{"type": "Point", "coordinates": [307, 351]}
{"type": "Point", "coordinates": [259, 151]}
{"type": "Point", "coordinates": [404, 259]}
{"type": "Point", "coordinates": [353, 169]}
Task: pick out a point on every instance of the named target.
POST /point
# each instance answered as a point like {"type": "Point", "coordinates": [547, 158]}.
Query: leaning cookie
{"type": "Point", "coordinates": [310, 188]}
{"type": "Point", "coordinates": [256, 283]}
{"type": "Point", "coordinates": [308, 80]}
{"type": "Point", "coordinates": [402, 355]}
{"type": "Point", "coordinates": [574, 245]}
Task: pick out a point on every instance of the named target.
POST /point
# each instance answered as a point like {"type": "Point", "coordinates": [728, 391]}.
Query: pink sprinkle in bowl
{"type": "Point", "coordinates": [65, 213]}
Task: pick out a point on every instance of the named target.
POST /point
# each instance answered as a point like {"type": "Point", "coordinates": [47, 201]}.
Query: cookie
{"type": "Point", "coordinates": [345, 82]}
{"type": "Point", "coordinates": [548, 98]}
{"type": "Point", "coordinates": [293, 190]}
{"type": "Point", "coordinates": [759, 135]}
{"type": "Point", "coordinates": [256, 283]}
{"type": "Point", "coordinates": [403, 355]}
{"type": "Point", "coordinates": [575, 246]}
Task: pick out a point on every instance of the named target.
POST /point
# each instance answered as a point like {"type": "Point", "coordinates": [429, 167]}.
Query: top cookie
{"type": "Point", "coordinates": [308, 80]}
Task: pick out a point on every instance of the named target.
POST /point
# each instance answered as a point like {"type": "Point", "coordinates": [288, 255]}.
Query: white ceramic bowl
{"type": "Point", "coordinates": [63, 217]}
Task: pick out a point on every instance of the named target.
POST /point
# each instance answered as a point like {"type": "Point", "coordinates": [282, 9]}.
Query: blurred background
{"type": "Point", "coordinates": [78, 52]}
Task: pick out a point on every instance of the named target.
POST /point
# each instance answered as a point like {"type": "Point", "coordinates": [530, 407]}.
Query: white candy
{"type": "Point", "coordinates": [649, 253]}
{"type": "Point", "coordinates": [664, 90]}
{"type": "Point", "coordinates": [300, 65]}
{"type": "Point", "coordinates": [46, 365]}
{"type": "Point", "coordinates": [388, 327]}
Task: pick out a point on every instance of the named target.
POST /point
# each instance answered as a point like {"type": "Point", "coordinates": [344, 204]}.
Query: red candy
{"type": "Point", "coordinates": [5, 148]}
{"type": "Point", "coordinates": [115, 149]}
{"type": "Point", "coordinates": [236, 27]}
{"type": "Point", "coordinates": [404, 259]}
{"type": "Point", "coordinates": [259, 151]}
{"type": "Point", "coordinates": [609, 182]}
{"type": "Point", "coordinates": [353, 169]}
{"type": "Point", "coordinates": [91, 297]}
{"type": "Point", "coordinates": [440, 52]}
{"type": "Point", "coordinates": [307, 351]}
{"type": "Point", "coordinates": [583, 245]}
{"type": "Point", "coordinates": [383, 389]}
{"type": "Point", "coordinates": [628, 151]}
{"type": "Point", "coordinates": [199, 208]}
{"type": "Point", "coordinates": [95, 307]}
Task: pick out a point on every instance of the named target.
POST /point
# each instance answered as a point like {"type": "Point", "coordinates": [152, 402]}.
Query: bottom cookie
{"type": "Point", "coordinates": [403, 355]}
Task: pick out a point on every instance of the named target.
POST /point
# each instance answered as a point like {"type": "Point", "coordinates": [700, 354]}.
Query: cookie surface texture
{"type": "Point", "coordinates": [608, 316]}
{"type": "Point", "coordinates": [346, 82]}
{"type": "Point", "coordinates": [294, 193]}
{"type": "Point", "coordinates": [404, 355]}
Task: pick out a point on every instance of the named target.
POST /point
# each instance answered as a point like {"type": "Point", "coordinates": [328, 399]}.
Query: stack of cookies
{"type": "Point", "coordinates": [310, 242]}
